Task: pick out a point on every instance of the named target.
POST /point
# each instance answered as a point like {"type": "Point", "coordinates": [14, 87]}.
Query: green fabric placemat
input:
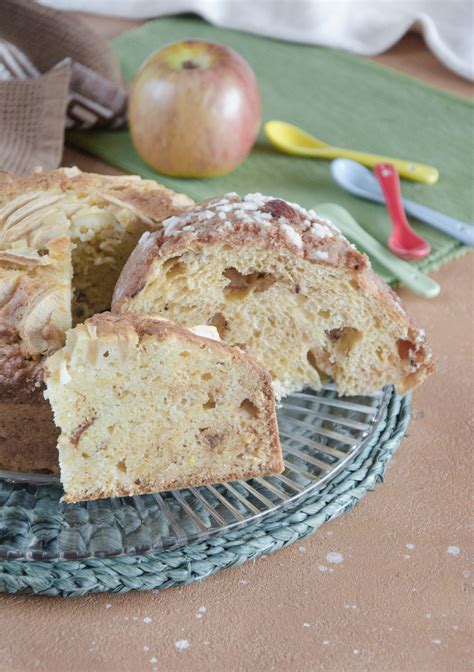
{"type": "Point", "coordinates": [342, 99]}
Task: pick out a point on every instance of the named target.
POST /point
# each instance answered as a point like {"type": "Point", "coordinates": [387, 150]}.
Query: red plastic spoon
{"type": "Point", "coordinates": [403, 241]}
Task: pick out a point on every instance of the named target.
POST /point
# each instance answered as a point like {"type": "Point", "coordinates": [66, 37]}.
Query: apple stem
{"type": "Point", "coordinates": [190, 65]}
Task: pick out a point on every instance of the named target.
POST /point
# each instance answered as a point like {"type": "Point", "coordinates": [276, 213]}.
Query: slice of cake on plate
{"type": "Point", "coordinates": [145, 405]}
{"type": "Point", "coordinates": [284, 282]}
{"type": "Point", "coordinates": [64, 237]}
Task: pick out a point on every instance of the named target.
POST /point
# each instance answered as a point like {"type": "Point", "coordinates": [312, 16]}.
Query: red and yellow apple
{"type": "Point", "coordinates": [194, 109]}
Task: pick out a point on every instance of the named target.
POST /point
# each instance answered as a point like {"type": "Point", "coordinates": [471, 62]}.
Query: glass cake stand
{"type": "Point", "coordinates": [321, 433]}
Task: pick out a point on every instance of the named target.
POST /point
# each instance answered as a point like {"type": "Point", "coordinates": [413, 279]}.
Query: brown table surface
{"type": "Point", "coordinates": [399, 601]}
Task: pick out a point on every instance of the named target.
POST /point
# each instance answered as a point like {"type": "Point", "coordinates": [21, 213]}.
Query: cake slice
{"type": "Point", "coordinates": [145, 405]}
{"type": "Point", "coordinates": [284, 282]}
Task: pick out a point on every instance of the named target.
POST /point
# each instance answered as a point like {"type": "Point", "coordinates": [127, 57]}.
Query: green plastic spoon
{"type": "Point", "coordinates": [409, 275]}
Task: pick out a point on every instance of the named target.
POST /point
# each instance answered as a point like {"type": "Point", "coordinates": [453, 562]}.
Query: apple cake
{"type": "Point", "coordinates": [145, 405]}
{"type": "Point", "coordinates": [279, 279]}
{"type": "Point", "coordinates": [64, 237]}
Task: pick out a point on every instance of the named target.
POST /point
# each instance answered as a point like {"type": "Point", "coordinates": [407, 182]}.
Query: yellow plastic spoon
{"type": "Point", "coordinates": [292, 140]}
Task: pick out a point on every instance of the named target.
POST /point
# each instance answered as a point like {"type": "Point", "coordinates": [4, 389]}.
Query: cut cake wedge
{"type": "Point", "coordinates": [145, 405]}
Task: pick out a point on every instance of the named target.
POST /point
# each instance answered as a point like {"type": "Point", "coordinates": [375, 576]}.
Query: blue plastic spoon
{"type": "Point", "coordinates": [359, 181]}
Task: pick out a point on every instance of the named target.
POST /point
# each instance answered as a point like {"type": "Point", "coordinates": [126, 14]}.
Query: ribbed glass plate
{"type": "Point", "coordinates": [320, 433]}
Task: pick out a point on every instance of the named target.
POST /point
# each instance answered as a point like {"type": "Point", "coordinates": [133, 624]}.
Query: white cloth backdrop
{"type": "Point", "coordinates": [363, 26]}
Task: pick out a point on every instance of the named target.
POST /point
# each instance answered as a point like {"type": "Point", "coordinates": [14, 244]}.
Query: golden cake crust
{"type": "Point", "coordinates": [151, 199]}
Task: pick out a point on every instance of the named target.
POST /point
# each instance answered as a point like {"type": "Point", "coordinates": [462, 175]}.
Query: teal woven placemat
{"type": "Point", "coordinates": [196, 561]}
{"type": "Point", "coordinates": [343, 99]}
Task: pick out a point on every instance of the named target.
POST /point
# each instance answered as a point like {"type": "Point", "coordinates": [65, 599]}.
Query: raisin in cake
{"type": "Point", "coordinates": [271, 275]}
{"type": "Point", "coordinates": [145, 405]}
{"type": "Point", "coordinates": [64, 237]}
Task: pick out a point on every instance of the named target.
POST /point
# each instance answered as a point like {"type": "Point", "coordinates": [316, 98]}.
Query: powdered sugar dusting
{"type": "Point", "coordinates": [334, 557]}
{"type": "Point", "coordinates": [255, 215]}
{"type": "Point", "coordinates": [182, 644]}
{"type": "Point", "coordinates": [207, 214]}
{"type": "Point", "coordinates": [292, 236]}
{"type": "Point", "coordinates": [321, 254]}
{"type": "Point", "coordinates": [200, 612]}
{"type": "Point", "coordinates": [170, 224]}
{"type": "Point", "coordinates": [319, 230]}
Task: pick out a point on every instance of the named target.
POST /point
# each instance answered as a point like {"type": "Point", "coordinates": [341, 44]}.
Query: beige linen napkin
{"type": "Point", "coordinates": [54, 74]}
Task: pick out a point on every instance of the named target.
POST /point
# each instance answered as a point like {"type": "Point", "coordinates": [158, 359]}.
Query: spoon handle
{"type": "Point", "coordinates": [409, 275]}
{"type": "Point", "coordinates": [403, 241]}
{"type": "Point", "coordinates": [452, 227]}
{"type": "Point", "coordinates": [408, 169]}
{"type": "Point", "coordinates": [387, 177]}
